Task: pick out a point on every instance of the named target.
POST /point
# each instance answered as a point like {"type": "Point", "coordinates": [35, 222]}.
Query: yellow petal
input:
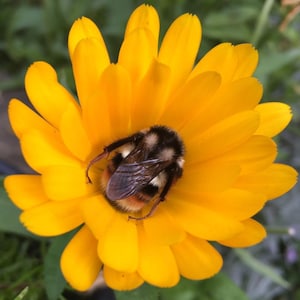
{"type": "Point", "coordinates": [96, 120]}
{"type": "Point", "coordinates": [140, 41]}
{"type": "Point", "coordinates": [254, 155]}
{"type": "Point", "coordinates": [274, 117]}
{"type": "Point", "coordinates": [118, 247]}
{"type": "Point", "coordinates": [17, 111]}
{"type": "Point", "coordinates": [247, 60]}
{"type": "Point", "coordinates": [252, 234]}
{"type": "Point", "coordinates": [81, 29]}
{"type": "Point", "coordinates": [42, 150]}
{"type": "Point", "coordinates": [273, 182]}
{"type": "Point", "coordinates": [53, 218]}
{"type": "Point", "coordinates": [196, 258]}
{"type": "Point", "coordinates": [157, 264]}
{"type": "Point", "coordinates": [190, 100]}
{"type": "Point", "coordinates": [233, 203]}
{"type": "Point", "coordinates": [82, 253]}
{"type": "Point", "coordinates": [221, 137]}
{"type": "Point", "coordinates": [237, 204]}
{"type": "Point", "coordinates": [25, 191]}
{"type": "Point", "coordinates": [66, 182]}
{"type": "Point", "coordinates": [207, 177]}
{"type": "Point", "coordinates": [98, 214]}
{"type": "Point", "coordinates": [121, 281]}
{"type": "Point", "coordinates": [46, 94]}
{"type": "Point", "coordinates": [201, 221]}
{"type": "Point", "coordinates": [74, 135]}
{"type": "Point", "coordinates": [225, 103]}
{"type": "Point", "coordinates": [117, 90]}
{"type": "Point", "coordinates": [162, 229]}
{"type": "Point", "coordinates": [153, 89]}
{"type": "Point", "coordinates": [90, 58]}
{"type": "Point", "coordinates": [221, 59]}
{"type": "Point", "coordinates": [137, 51]}
{"type": "Point", "coordinates": [180, 46]}
{"type": "Point", "coordinates": [144, 16]}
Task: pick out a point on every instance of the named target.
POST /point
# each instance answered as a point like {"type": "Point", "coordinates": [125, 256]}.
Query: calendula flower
{"type": "Point", "coordinates": [227, 163]}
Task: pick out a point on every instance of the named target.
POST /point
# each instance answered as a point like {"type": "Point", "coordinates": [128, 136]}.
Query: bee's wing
{"type": "Point", "coordinates": [129, 179]}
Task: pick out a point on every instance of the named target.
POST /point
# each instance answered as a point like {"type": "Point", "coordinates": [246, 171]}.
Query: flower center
{"type": "Point", "coordinates": [143, 169]}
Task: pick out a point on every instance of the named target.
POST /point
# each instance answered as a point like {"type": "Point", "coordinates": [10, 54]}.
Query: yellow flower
{"type": "Point", "coordinates": [229, 172]}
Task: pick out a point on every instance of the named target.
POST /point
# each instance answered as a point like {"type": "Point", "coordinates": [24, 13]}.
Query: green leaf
{"type": "Point", "coordinates": [22, 294]}
{"type": "Point", "coordinates": [54, 280]}
{"type": "Point", "coordinates": [231, 15]}
{"type": "Point", "coordinates": [219, 287]}
{"type": "Point", "coordinates": [117, 16]}
{"type": "Point", "coordinates": [222, 25]}
{"type": "Point", "coordinates": [227, 33]}
{"type": "Point", "coordinates": [272, 62]}
{"type": "Point", "coordinates": [184, 290]}
{"type": "Point", "coordinates": [9, 214]}
{"type": "Point", "coordinates": [260, 267]}
{"type": "Point", "coordinates": [145, 292]}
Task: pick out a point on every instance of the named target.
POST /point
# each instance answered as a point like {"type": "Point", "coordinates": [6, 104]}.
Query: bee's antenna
{"type": "Point", "coordinates": [110, 148]}
{"type": "Point", "coordinates": [94, 160]}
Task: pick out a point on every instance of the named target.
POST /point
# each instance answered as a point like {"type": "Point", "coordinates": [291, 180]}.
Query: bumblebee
{"type": "Point", "coordinates": [143, 169]}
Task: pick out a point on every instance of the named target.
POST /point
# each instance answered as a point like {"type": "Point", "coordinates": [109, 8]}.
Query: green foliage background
{"type": "Point", "coordinates": [32, 30]}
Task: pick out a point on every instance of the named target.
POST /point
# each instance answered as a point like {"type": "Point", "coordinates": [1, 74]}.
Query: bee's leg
{"type": "Point", "coordinates": [131, 139]}
{"type": "Point", "coordinates": [149, 214]}
{"type": "Point", "coordinates": [161, 198]}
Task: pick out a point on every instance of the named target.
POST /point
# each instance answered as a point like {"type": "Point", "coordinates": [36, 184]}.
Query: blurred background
{"type": "Point", "coordinates": [32, 30]}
